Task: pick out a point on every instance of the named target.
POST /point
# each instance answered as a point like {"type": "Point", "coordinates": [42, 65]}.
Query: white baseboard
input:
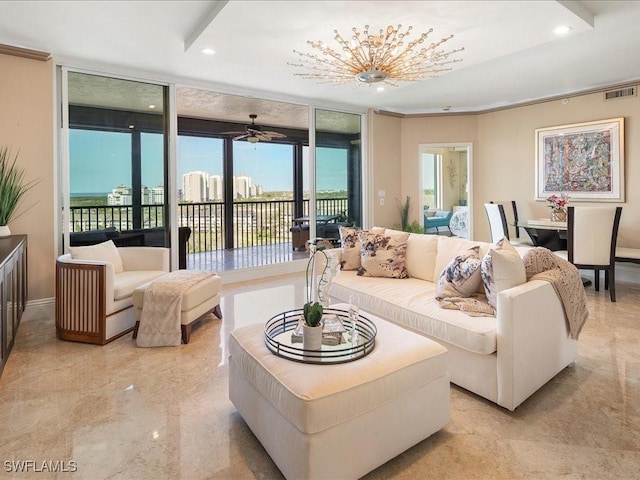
{"type": "Point", "coordinates": [39, 309]}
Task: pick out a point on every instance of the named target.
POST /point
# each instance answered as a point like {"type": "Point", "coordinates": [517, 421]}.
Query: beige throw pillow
{"type": "Point", "coordinates": [461, 277]}
{"type": "Point", "coordinates": [501, 268]}
{"type": "Point", "coordinates": [383, 255]}
{"type": "Point", "coordinates": [103, 252]}
{"type": "Point", "coordinates": [350, 259]}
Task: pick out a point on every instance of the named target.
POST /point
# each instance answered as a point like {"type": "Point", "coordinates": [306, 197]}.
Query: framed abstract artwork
{"type": "Point", "coordinates": [583, 160]}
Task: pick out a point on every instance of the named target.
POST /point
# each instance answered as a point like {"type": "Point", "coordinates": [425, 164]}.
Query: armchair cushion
{"type": "Point", "coordinates": [105, 252]}
{"type": "Point", "coordinates": [126, 282]}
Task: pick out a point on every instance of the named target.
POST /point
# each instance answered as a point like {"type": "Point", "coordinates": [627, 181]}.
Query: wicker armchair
{"type": "Point", "coordinates": [94, 304]}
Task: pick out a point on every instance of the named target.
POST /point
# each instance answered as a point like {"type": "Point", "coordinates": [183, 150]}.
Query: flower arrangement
{"type": "Point", "coordinates": [558, 210]}
{"type": "Point", "coordinates": [558, 202]}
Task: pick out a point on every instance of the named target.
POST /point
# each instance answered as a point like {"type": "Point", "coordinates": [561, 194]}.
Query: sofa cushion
{"type": "Point", "coordinates": [103, 252]}
{"type": "Point", "coordinates": [461, 277]}
{"type": "Point", "coordinates": [421, 256]}
{"type": "Point", "coordinates": [383, 255]}
{"type": "Point", "coordinates": [411, 303]}
{"type": "Point", "coordinates": [501, 268]}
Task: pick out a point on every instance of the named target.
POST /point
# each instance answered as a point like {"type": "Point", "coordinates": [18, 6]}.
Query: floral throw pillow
{"type": "Point", "coordinates": [501, 268]}
{"type": "Point", "coordinates": [383, 255]}
{"type": "Point", "coordinates": [461, 277]}
{"type": "Point", "coordinates": [350, 258]}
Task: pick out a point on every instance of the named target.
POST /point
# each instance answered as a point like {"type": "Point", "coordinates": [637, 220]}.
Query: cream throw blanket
{"type": "Point", "coordinates": [540, 264]}
{"type": "Point", "coordinates": [160, 319]}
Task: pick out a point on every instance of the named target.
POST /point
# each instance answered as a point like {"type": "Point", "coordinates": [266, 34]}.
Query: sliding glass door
{"type": "Point", "coordinates": [337, 196]}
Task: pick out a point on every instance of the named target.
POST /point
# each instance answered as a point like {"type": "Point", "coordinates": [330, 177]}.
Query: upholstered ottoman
{"type": "Point", "coordinates": [344, 420]}
{"type": "Point", "coordinates": [200, 299]}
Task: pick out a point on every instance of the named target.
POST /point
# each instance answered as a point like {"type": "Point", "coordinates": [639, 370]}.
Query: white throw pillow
{"type": "Point", "coordinates": [461, 278]}
{"type": "Point", "coordinates": [501, 268]}
{"type": "Point", "coordinates": [103, 252]}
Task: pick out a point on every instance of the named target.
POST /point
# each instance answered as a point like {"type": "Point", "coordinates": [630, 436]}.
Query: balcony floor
{"type": "Point", "coordinates": [248, 257]}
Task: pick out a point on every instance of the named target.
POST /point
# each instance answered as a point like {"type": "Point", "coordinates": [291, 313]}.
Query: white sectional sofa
{"type": "Point", "coordinates": [505, 358]}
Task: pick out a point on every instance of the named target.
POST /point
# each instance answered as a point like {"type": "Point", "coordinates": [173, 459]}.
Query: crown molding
{"type": "Point", "coordinates": [24, 53]}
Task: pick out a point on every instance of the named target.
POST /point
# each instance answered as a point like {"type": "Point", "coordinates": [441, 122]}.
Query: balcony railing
{"type": "Point", "coordinates": [254, 223]}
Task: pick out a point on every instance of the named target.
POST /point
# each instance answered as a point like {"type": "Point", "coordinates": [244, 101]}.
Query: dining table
{"type": "Point", "coordinates": [546, 233]}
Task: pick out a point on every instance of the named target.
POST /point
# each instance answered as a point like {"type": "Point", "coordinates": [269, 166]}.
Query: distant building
{"type": "Point", "coordinates": [242, 187]}
{"type": "Point", "coordinates": [215, 188]}
{"type": "Point", "coordinates": [123, 195]}
{"type": "Point", "coordinates": [120, 196]}
{"type": "Point", "coordinates": [157, 195]}
{"type": "Point", "coordinates": [194, 187]}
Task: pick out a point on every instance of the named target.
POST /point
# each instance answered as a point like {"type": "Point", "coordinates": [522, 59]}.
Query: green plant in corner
{"type": "Point", "coordinates": [12, 186]}
{"type": "Point", "coordinates": [404, 209]}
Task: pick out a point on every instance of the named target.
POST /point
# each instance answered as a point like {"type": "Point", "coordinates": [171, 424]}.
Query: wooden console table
{"type": "Point", "coordinates": [13, 290]}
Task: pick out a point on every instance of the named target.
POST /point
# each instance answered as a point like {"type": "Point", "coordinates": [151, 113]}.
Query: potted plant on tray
{"type": "Point", "coordinates": [312, 310]}
{"type": "Point", "coordinates": [12, 188]}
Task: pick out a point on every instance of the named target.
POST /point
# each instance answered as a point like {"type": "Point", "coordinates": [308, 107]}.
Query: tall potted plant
{"type": "Point", "coordinates": [12, 188]}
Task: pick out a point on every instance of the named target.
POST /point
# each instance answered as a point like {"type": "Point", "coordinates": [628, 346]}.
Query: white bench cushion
{"type": "Point", "coordinates": [317, 397]}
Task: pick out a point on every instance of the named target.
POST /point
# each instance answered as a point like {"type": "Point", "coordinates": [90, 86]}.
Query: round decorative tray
{"type": "Point", "coordinates": [280, 338]}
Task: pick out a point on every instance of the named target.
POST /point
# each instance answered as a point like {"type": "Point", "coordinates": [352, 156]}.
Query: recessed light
{"type": "Point", "coordinates": [208, 51]}
{"type": "Point", "coordinates": [380, 88]}
{"type": "Point", "coordinates": [562, 30]}
{"type": "Point", "coordinates": [152, 106]}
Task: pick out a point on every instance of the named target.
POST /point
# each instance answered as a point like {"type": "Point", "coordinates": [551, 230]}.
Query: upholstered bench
{"type": "Point", "coordinates": [200, 299]}
{"type": "Point", "coordinates": [344, 420]}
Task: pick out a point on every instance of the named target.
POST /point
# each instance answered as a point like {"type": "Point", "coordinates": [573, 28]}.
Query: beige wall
{"type": "Point", "coordinates": [385, 152]}
{"type": "Point", "coordinates": [504, 151]}
{"type": "Point", "coordinates": [26, 124]}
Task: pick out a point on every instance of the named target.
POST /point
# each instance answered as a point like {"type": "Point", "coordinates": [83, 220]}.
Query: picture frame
{"type": "Point", "coordinates": [585, 161]}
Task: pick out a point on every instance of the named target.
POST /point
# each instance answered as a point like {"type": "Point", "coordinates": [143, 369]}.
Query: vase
{"type": "Point", "coordinates": [4, 231]}
{"type": "Point", "coordinates": [312, 337]}
{"type": "Point", "coordinates": [558, 215]}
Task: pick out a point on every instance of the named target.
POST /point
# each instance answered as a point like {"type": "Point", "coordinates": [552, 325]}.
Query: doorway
{"type": "Point", "coordinates": [445, 184]}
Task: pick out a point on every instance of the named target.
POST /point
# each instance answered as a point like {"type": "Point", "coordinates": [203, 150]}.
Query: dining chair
{"type": "Point", "coordinates": [592, 233]}
{"type": "Point", "coordinates": [517, 238]}
{"type": "Point", "coordinates": [497, 221]}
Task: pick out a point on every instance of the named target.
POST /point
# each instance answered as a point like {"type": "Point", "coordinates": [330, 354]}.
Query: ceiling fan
{"type": "Point", "coordinates": [253, 133]}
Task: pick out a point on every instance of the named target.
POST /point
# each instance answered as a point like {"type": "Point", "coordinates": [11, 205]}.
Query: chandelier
{"type": "Point", "coordinates": [371, 58]}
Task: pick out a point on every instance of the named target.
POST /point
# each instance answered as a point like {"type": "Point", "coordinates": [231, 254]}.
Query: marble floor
{"type": "Point", "coordinates": [122, 412]}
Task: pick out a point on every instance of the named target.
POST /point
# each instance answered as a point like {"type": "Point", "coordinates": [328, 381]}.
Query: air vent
{"type": "Point", "coordinates": [621, 93]}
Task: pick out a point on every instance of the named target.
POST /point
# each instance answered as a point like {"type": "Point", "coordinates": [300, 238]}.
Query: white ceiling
{"type": "Point", "coordinates": [511, 53]}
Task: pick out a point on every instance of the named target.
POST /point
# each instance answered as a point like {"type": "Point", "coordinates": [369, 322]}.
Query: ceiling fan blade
{"type": "Point", "coordinates": [240, 137]}
{"type": "Point", "coordinates": [274, 134]}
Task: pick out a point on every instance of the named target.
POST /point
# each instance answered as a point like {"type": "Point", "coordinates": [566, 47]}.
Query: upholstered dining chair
{"type": "Point", "coordinates": [517, 238]}
{"type": "Point", "coordinates": [497, 221]}
{"type": "Point", "coordinates": [592, 234]}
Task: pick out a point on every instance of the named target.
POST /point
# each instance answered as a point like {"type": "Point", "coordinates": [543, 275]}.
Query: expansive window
{"type": "Point", "coordinates": [117, 160]}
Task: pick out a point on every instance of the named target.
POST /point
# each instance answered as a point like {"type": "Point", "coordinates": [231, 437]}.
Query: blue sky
{"type": "Point", "coordinates": [100, 161]}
